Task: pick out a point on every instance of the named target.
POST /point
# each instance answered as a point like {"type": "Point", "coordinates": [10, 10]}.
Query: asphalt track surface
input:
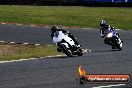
{"type": "Point", "coordinates": [61, 72]}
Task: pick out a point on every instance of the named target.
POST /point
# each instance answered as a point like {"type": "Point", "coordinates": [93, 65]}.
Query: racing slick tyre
{"type": "Point", "coordinates": [66, 51]}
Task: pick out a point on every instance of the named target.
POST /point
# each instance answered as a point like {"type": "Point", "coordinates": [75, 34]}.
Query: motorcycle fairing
{"type": "Point", "coordinates": [59, 36]}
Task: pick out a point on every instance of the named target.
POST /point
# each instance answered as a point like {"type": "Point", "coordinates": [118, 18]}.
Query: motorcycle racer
{"type": "Point", "coordinates": [104, 29]}
{"type": "Point", "coordinates": [56, 28]}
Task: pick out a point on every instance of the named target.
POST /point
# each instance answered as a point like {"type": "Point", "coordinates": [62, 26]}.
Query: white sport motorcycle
{"type": "Point", "coordinates": [66, 44]}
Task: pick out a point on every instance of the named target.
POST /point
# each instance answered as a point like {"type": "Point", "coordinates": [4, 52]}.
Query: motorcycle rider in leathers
{"type": "Point", "coordinates": [56, 28]}
{"type": "Point", "coordinates": [103, 30]}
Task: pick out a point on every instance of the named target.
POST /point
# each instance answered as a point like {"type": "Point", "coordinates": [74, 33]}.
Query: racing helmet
{"type": "Point", "coordinates": [102, 23]}
{"type": "Point", "coordinates": [54, 28]}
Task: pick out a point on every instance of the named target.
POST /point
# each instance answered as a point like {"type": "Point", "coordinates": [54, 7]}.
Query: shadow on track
{"type": "Point", "coordinates": [115, 50]}
{"type": "Point", "coordinates": [59, 57]}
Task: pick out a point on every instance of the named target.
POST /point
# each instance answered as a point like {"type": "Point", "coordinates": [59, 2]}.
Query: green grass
{"type": "Point", "coordinates": [14, 52]}
{"type": "Point", "coordinates": [67, 15]}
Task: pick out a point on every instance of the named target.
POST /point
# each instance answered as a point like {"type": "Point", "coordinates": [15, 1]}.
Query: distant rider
{"type": "Point", "coordinates": [56, 28]}
{"type": "Point", "coordinates": [104, 28]}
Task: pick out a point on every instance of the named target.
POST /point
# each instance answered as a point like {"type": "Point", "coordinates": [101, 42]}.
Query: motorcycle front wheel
{"type": "Point", "coordinates": [66, 51]}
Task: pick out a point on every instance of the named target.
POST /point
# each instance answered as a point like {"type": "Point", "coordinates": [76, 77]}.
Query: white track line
{"type": "Point", "coordinates": [37, 44]}
{"type": "Point", "coordinates": [29, 59]}
{"type": "Point", "coordinates": [118, 29]}
{"type": "Point", "coordinates": [3, 23]}
{"type": "Point", "coordinates": [25, 43]}
{"type": "Point", "coordinates": [1, 41]}
{"type": "Point", "coordinates": [87, 28]}
{"type": "Point", "coordinates": [110, 86]}
{"type": "Point", "coordinates": [11, 42]}
{"type": "Point", "coordinates": [32, 25]}
{"type": "Point", "coordinates": [18, 24]}
{"type": "Point", "coordinates": [48, 45]}
{"type": "Point", "coordinates": [20, 43]}
{"type": "Point", "coordinates": [87, 50]}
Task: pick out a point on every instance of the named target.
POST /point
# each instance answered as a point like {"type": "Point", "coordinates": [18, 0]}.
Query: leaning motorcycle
{"type": "Point", "coordinates": [66, 44]}
{"type": "Point", "coordinates": [113, 39]}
